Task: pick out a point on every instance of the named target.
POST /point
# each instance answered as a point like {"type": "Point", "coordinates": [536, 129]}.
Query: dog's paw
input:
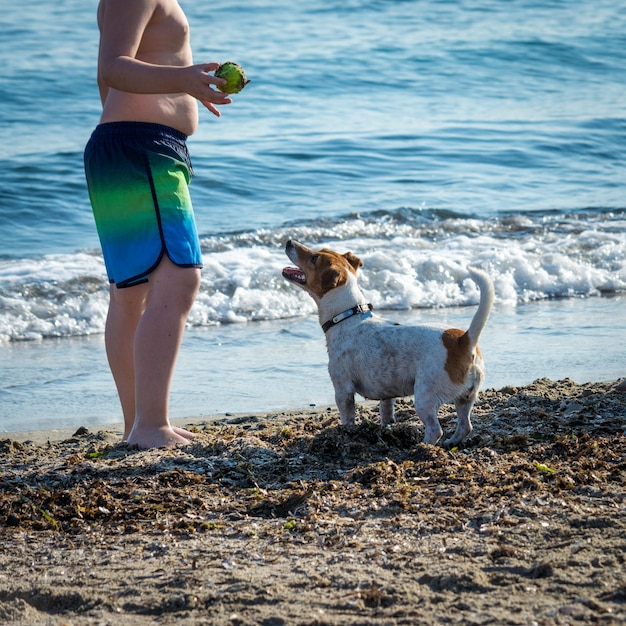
{"type": "Point", "coordinates": [456, 439]}
{"type": "Point", "coordinates": [431, 437]}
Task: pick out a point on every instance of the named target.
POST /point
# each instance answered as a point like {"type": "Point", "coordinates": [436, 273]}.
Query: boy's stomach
{"type": "Point", "coordinates": [180, 111]}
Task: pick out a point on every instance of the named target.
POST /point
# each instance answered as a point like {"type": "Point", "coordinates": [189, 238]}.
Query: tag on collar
{"type": "Point", "coordinates": [365, 311]}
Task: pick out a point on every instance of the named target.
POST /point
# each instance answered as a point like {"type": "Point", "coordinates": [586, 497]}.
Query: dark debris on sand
{"type": "Point", "coordinates": [533, 502]}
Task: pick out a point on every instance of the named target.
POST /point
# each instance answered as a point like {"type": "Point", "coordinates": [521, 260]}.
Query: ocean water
{"type": "Point", "coordinates": [425, 136]}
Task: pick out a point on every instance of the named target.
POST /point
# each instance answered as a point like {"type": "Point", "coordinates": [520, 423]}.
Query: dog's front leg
{"type": "Point", "coordinates": [386, 411]}
{"type": "Point", "coordinates": [345, 404]}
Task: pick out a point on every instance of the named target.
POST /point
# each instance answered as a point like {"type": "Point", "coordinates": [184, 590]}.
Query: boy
{"type": "Point", "coordinates": [138, 169]}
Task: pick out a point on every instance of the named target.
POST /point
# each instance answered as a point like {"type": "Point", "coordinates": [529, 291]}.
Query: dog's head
{"type": "Point", "coordinates": [318, 272]}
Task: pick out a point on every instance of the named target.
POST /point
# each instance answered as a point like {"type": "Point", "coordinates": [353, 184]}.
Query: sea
{"type": "Point", "coordinates": [425, 136]}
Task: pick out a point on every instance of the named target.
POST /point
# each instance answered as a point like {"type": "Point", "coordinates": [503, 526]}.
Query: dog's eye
{"type": "Point", "coordinates": [314, 259]}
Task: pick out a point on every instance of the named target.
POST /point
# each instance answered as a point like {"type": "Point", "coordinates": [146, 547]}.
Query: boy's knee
{"type": "Point", "coordinates": [129, 298]}
{"type": "Point", "coordinates": [192, 283]}
{"type": "Point", "coordinates": [184, 285]}
{"type": "Point", "coordinates": [173, 283]}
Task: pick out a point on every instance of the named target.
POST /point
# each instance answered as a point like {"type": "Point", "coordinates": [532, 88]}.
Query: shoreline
{"type": "Point", "coordinates": [234, 368]}
{"type": "Point", "coordinates": [49, 435]}
{"type": "Point", "coordinates": [58, 435]}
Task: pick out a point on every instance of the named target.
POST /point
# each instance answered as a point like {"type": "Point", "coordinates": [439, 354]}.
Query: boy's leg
{"type": "Point", "coordinates": [126, 307]}
{"type": "Point", "coordinates": [157, 341]}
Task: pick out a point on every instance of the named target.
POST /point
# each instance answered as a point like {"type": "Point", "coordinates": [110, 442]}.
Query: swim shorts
{"type": "Point", "coordinates": [138, 176]}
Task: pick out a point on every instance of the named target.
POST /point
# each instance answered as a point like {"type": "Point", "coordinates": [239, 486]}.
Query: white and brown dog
{"type": "Point", "coordinates": [381, 360]}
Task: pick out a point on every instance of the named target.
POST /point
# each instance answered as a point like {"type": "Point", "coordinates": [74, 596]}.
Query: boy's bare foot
{"type": "Point", "coordinates": [163, 437]}
{"type": "Point", "coordinates": [184, 433]}
{"type": "Point", "coordinates": [189, 436]}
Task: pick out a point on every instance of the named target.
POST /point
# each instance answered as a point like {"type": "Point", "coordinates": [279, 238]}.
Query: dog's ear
{"type": "Point", "coordinates": [330, 279]}
{"type": "Point", "coordinates": [354, 260]}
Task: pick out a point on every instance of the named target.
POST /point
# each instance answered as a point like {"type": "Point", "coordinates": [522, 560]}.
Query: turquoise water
{"type": "Point", "coordinates": [423, 135]}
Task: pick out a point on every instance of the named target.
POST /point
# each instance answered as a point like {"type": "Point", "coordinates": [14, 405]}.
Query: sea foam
{"type": "Point", "coordinates": [412, 259]}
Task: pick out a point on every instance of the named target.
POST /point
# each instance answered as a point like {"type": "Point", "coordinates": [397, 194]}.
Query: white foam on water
{"type": "Point", "coordinates": [412, 259]}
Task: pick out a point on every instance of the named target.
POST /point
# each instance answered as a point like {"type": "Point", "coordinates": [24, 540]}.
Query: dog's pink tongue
{"type": "Point", "coordinates": [295, 274]}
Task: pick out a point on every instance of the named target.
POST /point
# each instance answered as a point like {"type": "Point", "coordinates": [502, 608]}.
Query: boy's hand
{"type": "Point", "coordinates": [200, 82]}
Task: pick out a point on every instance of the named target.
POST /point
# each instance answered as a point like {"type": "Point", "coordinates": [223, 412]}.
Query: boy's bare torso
{"type": "Point", "coordinates": [165, 41]}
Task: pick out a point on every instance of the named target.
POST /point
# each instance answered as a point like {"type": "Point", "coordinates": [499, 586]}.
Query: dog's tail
{"type": "Point", "coordinates": [487, 296]}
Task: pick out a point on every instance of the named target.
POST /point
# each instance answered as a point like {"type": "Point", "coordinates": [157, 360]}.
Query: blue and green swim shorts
{"type": "Point", "coordinates": [138, 178]}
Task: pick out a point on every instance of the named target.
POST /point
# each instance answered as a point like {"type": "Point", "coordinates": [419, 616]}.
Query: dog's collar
{"type": "Point", "coordinates": [364, 309]}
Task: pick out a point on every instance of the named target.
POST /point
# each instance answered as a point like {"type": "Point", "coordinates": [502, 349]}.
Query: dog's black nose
{"type": "Point", "coordinates": [289, 244]}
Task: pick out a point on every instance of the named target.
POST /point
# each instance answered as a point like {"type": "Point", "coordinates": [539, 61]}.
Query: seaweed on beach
{"type": "Point", "coordinates": [541, 479]}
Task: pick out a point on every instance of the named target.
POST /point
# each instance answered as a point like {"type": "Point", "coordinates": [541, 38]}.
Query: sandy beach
{"type": "Point", "coordinates": [290, 518]}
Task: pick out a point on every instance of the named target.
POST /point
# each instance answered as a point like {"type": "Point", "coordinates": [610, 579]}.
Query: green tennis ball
{"type": "Point", "coordinates": [234, 75]}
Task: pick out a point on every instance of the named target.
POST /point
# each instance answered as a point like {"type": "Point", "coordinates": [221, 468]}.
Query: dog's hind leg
{"type": "Point", "coordinates": [464, 406]}
{"type": "Point", "coordinates": [427, 408]}
{"type": "Point", "coordinates": [346, 406]}
{"type": "Point", "coordinates": [386, 411]}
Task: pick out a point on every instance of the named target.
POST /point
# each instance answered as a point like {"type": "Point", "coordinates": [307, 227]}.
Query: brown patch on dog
{"type": "Point", "coordinates": [354, 261]}
{"type": "Point", "coordinates": [330, 279]}
{"type": "Point", "coordinates": [459, 359]}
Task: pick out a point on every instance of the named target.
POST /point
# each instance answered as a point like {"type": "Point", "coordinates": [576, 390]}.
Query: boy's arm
{"type": "Point", "coordinates": [102, 86]}
{"type": "Point", "coordinates": [122, 24]}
